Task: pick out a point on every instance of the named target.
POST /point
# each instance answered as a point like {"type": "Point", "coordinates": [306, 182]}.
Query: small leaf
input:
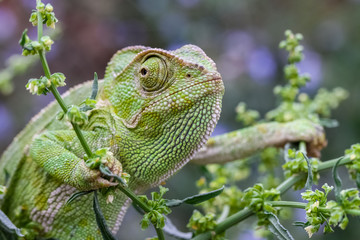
{"type": "Point", "coordinates": [358, 180]}
{"type": "Point", "coordinates": [199, 198]}
{"type": "Point", "coordinates": [24, 38]}
{"type": "Point", "coordinates": [94, 92]}
{"type": "Point", "coordinates": [300, 224]}
{"type": "Point", "coordinates": [337, 181]}
{"type": "Point", "coordinates": [76, 195]}
{"type": "Point", "coordinates": [329, 123]}
{"type": "Point", "coordinates": [277, 229]}
{"type": "Point", "coordinates": [7, 228]}
{"type": "Point", "coordinates": [100, 220]}
{"type": "Point", "coordinates": [309, 181]}
{"type": "Point", "coordinates": [95, 87]}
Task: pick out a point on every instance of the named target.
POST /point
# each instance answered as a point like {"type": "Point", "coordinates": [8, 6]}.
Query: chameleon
{"type": "Point", "coordinates": [155, 111]}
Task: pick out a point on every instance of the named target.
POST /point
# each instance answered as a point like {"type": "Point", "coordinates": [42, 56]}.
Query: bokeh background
{"type": "Point", "coordinates": [241, 36]}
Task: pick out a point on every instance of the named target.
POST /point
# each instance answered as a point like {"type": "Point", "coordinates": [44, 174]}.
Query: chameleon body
{"type": "Point", "coordinates": [155, 109]}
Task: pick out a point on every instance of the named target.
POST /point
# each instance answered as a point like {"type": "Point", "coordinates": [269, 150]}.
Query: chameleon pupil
{"type": "Point", "coordinates": [143, 71]}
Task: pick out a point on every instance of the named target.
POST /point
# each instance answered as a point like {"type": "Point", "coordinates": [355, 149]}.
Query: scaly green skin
{"type": "Point", "coordinates": [155, 109]}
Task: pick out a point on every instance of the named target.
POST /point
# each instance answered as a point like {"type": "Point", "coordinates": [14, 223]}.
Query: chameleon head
{"type": "Point", "coordinates": [169, 103]}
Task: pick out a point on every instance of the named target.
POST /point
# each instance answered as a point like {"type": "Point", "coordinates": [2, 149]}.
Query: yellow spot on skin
{"type": "Point", "coordinates": [262, 129]}
{"type": "Point", "coordinates": [211, 142]}
{"type": "Point", "coordinates": [41, 201]}
{"type": "Point", "coordinates": [83, 222]}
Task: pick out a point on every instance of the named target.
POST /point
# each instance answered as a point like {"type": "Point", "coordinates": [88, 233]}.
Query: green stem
{"type": "Point", "coordinates": [302, 147]}
{"type": "Point", "coordinates": [143, 206]}
{"type": "Point", "coordinates": [134, 198]}
{"type": "Point", "coordinates": [283, 187]}
{"type": "Point", "coordinates": [288, 204]}
{"type": "Point", "coordinates": [39, 22]}
{"type": "Point", "coordinates": [331, 163]}
{"type": "Point", "coordinates": [76, 127]}
{"type": "Point", "coordinates": [54, 90]}
{"type": "Point", "coordinates": [289, 182]}
{"type": "Point", "coordinates": [355, 212]}
{"type": "Point", "coordinates": [160, 233]}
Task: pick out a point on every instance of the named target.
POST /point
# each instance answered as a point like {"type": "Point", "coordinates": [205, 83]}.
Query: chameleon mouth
{"type": "Point", "coordinates": [218, 88]}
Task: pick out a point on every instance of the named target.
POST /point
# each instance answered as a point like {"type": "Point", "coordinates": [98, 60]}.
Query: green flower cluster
{"type": "Point", "coordinates": [332, 213]}
{"type": "Point", "coordinates": [34, 47]}
{"type": "Point", "coordinates": [269, 159]}
{"type": "Point", "coordinates": [353, 154]}
{"type": "Point", "coordinates": [297, 164]}
{"type": "Point", "coordinates": [41, 85]}
{"type": "Point", "coordinates": [315, 217]}
{"type": "Point", "coordinates": [230, 197]}
{"type": "Point", "coordinates": [200, 223]}
{"type": "Point", "coordinates": [255, 198]}
{"type": "Point", "coordinates": [246, 116]}
{"type": "Point", "coordinates": [44, 43]}
{"type": "Point", "coordinates": [158, 207]}
{"type": "Point", "coordinates": [294, 105]}
{"type": "Point", "coordinates": [291, 44]}
{"type": "Point", "coordinates": [75, 115]}
{"type": "Point", "coordinates": [98, 158]}
{"type": "Point", "coordinates": [221, 175]}
{"type": "Point", "coordinates": [47, 15]}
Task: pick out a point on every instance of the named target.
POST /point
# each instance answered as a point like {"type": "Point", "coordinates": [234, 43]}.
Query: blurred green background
{"type": "Point", "coordinates": [241, 36]}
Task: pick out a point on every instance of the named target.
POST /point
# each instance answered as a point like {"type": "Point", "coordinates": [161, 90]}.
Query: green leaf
{"type": "Point", "coordinates": [24, 38]}
{"type": "Point", "coordinates": [358, 180]}
{"type": "Point", "coordinates": [100, 220]}
{"type": "Point", "coordinates": [329, 123]}
{"type": "Point", "coordinates": [93, 95]}
{"type": "Point", "coordinates": [277, 229]}
{"type": "Point", "coordinates": [95, 87]}
{"type": "Point", "coordinates": [76, 195]}
{"type": "Point", "coordinates": [300, 224]}
{"type": "Point", "coordinates": [7, 228]}
{"type": "Point", "coordinates": [199, 198]}
{"type": "Point", "coordinates": [309, 181]}
{"type": "Point", "coordinates": [337, 181]}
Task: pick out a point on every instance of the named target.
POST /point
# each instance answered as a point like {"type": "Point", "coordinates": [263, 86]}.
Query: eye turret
{"type": "Point", "coordinates": [153, 73]}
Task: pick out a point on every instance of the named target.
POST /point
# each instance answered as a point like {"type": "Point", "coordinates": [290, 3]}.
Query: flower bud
{"type": "Point", "coordinates": [49, 7]}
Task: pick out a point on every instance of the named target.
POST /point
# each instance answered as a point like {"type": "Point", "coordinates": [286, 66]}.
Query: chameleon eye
{"type": "Point", "coordinates": [153, 73]}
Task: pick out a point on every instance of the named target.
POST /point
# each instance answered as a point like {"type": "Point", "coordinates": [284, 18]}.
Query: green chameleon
{"type": "Point", "coordinates": [155, 109]}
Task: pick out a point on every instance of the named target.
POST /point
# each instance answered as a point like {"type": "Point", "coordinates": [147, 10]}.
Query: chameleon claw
{"type": "Point", "coordinates": [104, 183]}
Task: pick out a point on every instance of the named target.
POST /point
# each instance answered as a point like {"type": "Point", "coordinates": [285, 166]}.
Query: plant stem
{"type": "Point", "coordinates": [288, 204]}
{"type": "Point", "coordinates": [291, 204]}
{"type": "Point", "coordinates": [76, 127]}
{"type": "Point", "coordinates": [283, 187]}
{"type": "Point", "coordinates": [54, 90]}
{"type": "Point", "coordinates": [160, 233]}
{"type": "Point", "coordinates": [134, 198]}
{"type": "Point", "coordinates": [331, 163]}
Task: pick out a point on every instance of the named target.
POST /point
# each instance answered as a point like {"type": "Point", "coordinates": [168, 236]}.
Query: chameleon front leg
{"type": "Point", "coordinates": [61, 155]}
{"type": "Point", "coordinates": [245, 142]}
